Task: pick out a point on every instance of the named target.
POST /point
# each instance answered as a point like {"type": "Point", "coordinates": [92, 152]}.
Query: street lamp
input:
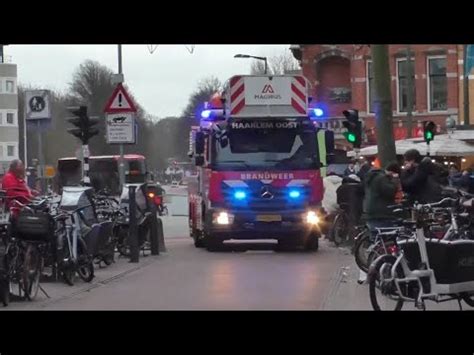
{"type": "Point", "coordinates": [251, 56]}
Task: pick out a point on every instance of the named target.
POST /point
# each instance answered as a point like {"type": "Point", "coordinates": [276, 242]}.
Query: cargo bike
{"type": "Point", "coordinates": [421, 269]}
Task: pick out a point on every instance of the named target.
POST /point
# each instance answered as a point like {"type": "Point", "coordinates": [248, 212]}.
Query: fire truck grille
{"type": "Point", "coordinates": [261, 197]}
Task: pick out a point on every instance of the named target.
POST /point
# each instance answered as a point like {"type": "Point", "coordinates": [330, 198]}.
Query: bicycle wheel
{"type": "Point", "coordinates": [340, 229]}
{"type": "Point", "coordinates": [5, 291]}
{"type": "Point", "coordinates": [382, 289]}
{"type": "Point", "coordinates": [122, 241]}
{"type": "Point", "coordinates": [468, 297]}
{"type": "Point", "coordinates": [85, 264]}
{"type": "Point", "coordinates": [361, 252]}
{"type": "Point", "coordinates": [4, 279]}
{"type": "Point", "coordinates": [32, 265]}
{"type": "Point", "coordinates": [66, 264]}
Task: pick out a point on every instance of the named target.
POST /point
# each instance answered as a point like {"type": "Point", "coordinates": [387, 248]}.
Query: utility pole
{"type": "Point", "coordinates": [121, 160]}
{"type": "Point", "coordinates": [410, 92]}
{"type": "Point", "coordinates": [383, 104]}
{"type": "Point", "coordinates": [466, 86]}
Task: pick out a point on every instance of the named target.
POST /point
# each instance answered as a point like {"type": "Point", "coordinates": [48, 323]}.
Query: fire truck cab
{"type": "Point", "coordinates": [258, 165]}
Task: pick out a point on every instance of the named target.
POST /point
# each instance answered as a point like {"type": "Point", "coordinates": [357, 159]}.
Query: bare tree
{"type": "Point", "coordinates": [205, 88]}
{"type": "Point", "coordinates": [277, 65]}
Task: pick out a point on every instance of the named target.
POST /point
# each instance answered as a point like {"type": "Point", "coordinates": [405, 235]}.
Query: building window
{"type": "Point", "coordinates": [370, 88]}
{"type": "Point", "coordinates": [437, 84]}
{"type": "Point", "coordinates": [402, 80]}
{"type": "Point", "coordinates": [10, 118]}
{"type": "Point", "coordinates": [10, 151]}
{"type": "Point", "coordinates": [1, 151]}
{"type": "Point", "coordinates": [10, 86]}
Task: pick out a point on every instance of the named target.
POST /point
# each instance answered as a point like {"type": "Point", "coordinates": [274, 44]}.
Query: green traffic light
{"type": "Point", "coordinates": [429, 136]}
{"type": "Point", "coordinates": [351, 137]}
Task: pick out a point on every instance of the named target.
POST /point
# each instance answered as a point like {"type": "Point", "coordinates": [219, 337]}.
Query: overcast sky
{"type": "Point", "coordinates": [161, 82]}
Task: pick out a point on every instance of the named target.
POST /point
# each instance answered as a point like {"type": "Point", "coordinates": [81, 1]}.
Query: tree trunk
{"type": "Point", "coordinates": [383, 104]}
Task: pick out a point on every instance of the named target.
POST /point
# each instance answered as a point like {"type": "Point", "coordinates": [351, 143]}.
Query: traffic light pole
{"type": "Point", "coordinates": [85, 164]}
{"type": "Point", "coordinates": [121, 160]}
{"type": "Point", "coordinates": [383, 102]}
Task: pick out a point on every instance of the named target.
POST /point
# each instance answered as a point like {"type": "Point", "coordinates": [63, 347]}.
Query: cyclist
{"type": "Point", "coordinates": [15, 185]}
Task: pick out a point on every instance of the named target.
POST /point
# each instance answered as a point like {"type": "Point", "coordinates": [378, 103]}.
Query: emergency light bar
{"type": "Point", "coordinates": [317, 112]}
{"type": "Point", "coordinates": [212, 114]}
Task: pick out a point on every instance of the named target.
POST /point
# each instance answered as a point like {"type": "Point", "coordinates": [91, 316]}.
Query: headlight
{"type": "Point", "coordinates": [223, 218]}
{"type": "Point", "coordinates": [312, 218]}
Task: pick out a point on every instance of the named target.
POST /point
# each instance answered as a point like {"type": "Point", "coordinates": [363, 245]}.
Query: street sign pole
{"type": "Point", "coordinates": [120, 111]}
{"type": "Point", "coordinates": [37, 108]}
{"type": "Point", "coordinates": [121, 160]}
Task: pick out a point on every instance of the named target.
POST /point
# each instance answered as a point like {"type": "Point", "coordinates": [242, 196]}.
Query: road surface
{"type": "Point", "coordinates": [249, 276]}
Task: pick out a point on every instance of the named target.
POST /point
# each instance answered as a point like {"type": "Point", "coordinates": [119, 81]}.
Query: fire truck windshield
{"type": "Point", "coordinates": [270, 149]}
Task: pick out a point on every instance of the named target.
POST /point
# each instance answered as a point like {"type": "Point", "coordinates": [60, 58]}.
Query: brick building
{"type": "Point", "coordinates": [341, 78]}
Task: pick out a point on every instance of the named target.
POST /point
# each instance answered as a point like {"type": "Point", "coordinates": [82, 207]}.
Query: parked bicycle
{"type": "Point", "coordinates": [23, 238]}
{"type": "Point", "coordinates": [420, 268]}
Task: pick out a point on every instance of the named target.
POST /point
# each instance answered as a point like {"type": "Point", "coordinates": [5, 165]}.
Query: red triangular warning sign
{"type": "Point", "coordinates": [120, 101]}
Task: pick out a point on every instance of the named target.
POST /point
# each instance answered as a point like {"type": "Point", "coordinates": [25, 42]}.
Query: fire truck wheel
{"type": "Point", "coordinates": [312, 243]}
{"type": "Point", "coordinates": [198, 240]}
{"type": "Point", "coordinates": [212, 244]}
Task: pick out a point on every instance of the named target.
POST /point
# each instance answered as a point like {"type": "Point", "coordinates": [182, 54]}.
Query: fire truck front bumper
{"type": "Point", "coordinates": [229, 224]}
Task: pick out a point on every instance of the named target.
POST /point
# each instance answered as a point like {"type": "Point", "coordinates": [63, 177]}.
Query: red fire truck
{"type": "Point", "coordinates": [257, 157]}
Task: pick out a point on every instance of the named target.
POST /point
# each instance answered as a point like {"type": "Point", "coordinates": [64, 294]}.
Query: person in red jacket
{"type": "Point", "coordinates": [15, 185]}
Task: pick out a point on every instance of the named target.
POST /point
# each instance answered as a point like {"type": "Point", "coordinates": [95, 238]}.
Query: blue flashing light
{"type": "Point", "coordinates": [206, 113]}
{"type": "Point", "coordinates": [240, 195]}
{"type": "Point", "coordinates": [295, 193]}
{"type": "Point", "coordinates": [318, 112]}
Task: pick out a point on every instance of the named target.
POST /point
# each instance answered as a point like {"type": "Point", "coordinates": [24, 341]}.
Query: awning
{"type": "Point", "coordinates": [456, 144]}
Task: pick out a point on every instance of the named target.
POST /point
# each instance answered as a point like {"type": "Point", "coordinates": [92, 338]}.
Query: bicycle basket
{"type": "Point", "coordinates": [34, 226]}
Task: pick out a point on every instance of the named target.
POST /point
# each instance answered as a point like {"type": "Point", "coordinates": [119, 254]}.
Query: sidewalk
{"type": "Point", "coordinates": [58, 290]}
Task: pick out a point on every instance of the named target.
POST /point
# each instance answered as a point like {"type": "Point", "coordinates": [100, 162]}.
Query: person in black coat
{"type": "Point", "coordinates": [364, 169]}
{"type": "Point", "coordinates": [419, 178]}
{"type": "Point", "coordinates": [350, 196]}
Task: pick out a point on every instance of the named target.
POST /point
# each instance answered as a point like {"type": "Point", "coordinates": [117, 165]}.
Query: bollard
{"type": "Point", "coordinates": [153, 225]}
{"type": "Point", "coordinates": [161, 237]}
{"type": "Point", "coordinates": [133, 226]}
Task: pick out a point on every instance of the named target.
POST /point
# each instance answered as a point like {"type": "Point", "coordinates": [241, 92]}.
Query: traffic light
{"type": "Point", "coordinates": [429, 131]}
{"type": "Point", "coordinates": [84, 124]}
{"type": "Point", "coordinates": [354, 127]}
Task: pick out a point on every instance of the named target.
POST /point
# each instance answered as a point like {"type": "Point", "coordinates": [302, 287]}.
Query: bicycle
{"type": "Point", "coordinates": [343, 228]}
{"type": "Point", "coordinates": [73, 254]}
{"type": "Point", "coordinates": [411, 273]}
{"type": "Point", "coordinates": [367, 249]}
{"type": "Point", "coordinates": [22, 259]}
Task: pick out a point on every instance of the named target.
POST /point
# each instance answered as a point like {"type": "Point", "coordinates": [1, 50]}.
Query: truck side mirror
{"type": "Point", "coordinates": [224, 142]}
{"type": "Point", "coordinates": [199, 161]}
{"type": "Point", "coordinates": [200, 143]}
{"type": "Point", "coordinates": [329, 142]}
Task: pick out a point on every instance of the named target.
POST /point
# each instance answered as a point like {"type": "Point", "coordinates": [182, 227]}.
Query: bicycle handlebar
{"type": "Point", "coordinates": [439, 203]}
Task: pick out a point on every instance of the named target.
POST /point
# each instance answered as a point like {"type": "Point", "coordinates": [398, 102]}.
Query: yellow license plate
{"type": "Point", "coordinates": [269, 218]}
